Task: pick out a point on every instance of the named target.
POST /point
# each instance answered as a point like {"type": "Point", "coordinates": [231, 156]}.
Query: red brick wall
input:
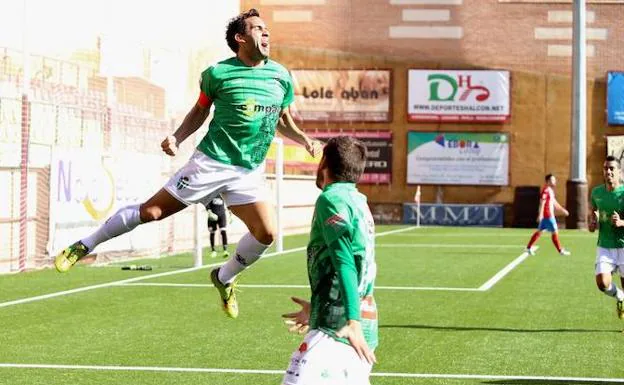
{"type": "Point", "coordinates": [539, 129]}
{"type": "Point", "coordinates": [494, 34]}
{"type": "Point", "coordinates": [355, 34]}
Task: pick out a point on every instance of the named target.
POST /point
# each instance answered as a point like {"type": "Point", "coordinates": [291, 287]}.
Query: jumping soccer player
{"type": "Point", "coordinates": [250, 93]}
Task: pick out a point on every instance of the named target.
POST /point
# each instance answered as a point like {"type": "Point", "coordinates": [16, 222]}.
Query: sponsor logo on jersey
{"type": "Point", "coordinates": [251, 108]}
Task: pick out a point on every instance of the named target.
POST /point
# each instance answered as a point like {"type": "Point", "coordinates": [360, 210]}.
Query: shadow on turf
{"type": "Point", "coordinates": [548, 382]}
{"type": "Point", "coordinates": [508, 330]}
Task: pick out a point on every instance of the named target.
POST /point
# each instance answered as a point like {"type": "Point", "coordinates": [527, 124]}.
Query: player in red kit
{"type": "Point", "coordinates": [546, 216]}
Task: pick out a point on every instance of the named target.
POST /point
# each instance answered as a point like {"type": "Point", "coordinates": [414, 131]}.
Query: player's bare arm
{"type": "Point", "coordinates": [298, 322]}
{"type": "Point", "coordinates": [593, 220]}
{"type": "Point", "coordinates": [561, 209]}
{"type": "Point", "coordinates": [353, 332]}
{"type": "Point", "coordinates": [344, 263]}
{"type": "Point", "coordinates": [616, 220]}
{"type": "Point", "coordinates": [540, 215]}
{"type": "Point", "coordinates": [193, 120]}
{"type": "Point", "coordinates": [287, 127]}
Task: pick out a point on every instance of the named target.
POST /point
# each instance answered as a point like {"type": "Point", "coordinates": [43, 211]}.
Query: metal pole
{"type": "Point", "coordinates": [576, 199]}
{"type": "Point", "coordinates": [23, 210]}
{"type": "Point", "coordinates": [579, 101]}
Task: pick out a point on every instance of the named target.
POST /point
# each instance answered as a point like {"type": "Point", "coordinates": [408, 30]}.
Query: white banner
{"type": "Point", "coordinates": [615, 146]}
{"type": "Point", "coordinates": [87, 187]}
{"type": "Point", "coordinates": [342, 95]}
{"type": "Point", "coordinates": [458, 96]}
{"type": "Point", "coordinates": [458, 158]}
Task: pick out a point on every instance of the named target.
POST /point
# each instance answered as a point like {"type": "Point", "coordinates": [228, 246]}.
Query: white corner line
{"type": "Point", "coordinates": [99, 286]}
{"type": "Point", "coordinates": [144, 277]}
{"type": "Point", "coordinates": [596, 380]}
{"type": "Point", "coordinates": [124, 281]}
{"type": "Point", "coordinates": [504, 271]}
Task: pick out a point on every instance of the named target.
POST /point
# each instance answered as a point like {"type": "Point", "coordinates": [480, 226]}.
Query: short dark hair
{"type": "Point", "coordinates": [345, 158]}
{"type": "Point", "coordinates": [237, 25]}
{"type": "Point", "coordinates": [547, 177]}
{"type": "Point", "coordinates": [611, 158]}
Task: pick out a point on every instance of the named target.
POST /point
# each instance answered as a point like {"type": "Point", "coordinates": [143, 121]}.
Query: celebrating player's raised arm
{"type": "Point", "coordinates": [287, 127]}
{"type": "Point", "coordinates": [193, 120]}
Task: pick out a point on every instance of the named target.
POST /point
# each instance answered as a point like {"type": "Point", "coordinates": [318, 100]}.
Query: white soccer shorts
{"type": "Point", "coordinates": [609, 260]}
{"type": "Point", "coordinates": [321, 360]}
{"type": "Point", "coordinates": [202, 178]}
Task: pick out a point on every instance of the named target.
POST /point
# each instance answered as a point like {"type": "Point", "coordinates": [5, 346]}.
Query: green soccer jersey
{"type": "Point", "coordinates": [341, 262]}
{"type": "Point", "coordinates": [248, 102]}
{"type": "Point", "coordinates": [609, 236]}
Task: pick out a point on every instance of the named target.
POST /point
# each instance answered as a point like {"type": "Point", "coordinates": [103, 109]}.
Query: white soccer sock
{"type": "Point", "coordinates": [614, 291]}
{"type": "Point", "coordinates": [123, 221]}
{"type": "Point", "coordinates": [248, 251]}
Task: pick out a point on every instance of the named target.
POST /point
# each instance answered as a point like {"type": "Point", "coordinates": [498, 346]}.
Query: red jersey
{"type": "Point", "coordinates": [548, 196]}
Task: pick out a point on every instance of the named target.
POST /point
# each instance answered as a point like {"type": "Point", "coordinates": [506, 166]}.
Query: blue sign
{"type": "Point", "coordinates": [615, 98]}
{"type": "Point", "coordinates": [454, 214]}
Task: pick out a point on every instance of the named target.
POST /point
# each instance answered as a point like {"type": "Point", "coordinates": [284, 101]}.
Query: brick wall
{"type": "Point", "coordinates": [539, 129]}
{"type": "Point", "coordinates": [517, 35]}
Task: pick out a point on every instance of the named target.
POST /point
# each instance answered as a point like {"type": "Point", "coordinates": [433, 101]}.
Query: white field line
{"type": "Point", "coordinates": [490, 234]}
{"type": "Point", "coordinates": [448, 246]}
{"type": "Point", "coordinates": [144, 277]}
{"type": "Point", "coordinates": [99, 286]}
{"type": "Point", "coordinates": [505, 270]}
{"type": "Point", "coordinates": [596, 380]}
{"type": "Point", "coordinates": [268, 286]}
{"type": "Point", "coordinates": [485, 287]}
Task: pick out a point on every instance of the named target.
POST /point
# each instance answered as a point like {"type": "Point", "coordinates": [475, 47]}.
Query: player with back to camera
{"type": "Point", "coordinates": [341, 317]}
{"type": "Point", "coordinates": [250, 94]}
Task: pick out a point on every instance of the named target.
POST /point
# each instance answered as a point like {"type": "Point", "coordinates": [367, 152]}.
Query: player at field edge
{"type": "Point", "coordinates": [251, 94]}
{"type": "Point", "coordinates": [606, 201]}
{"type": "Point", "coordinates": [218, 218]}
{"type": "Point", "coordinates": [546, 216]}
{"type": "Point", "coordinates": [340, 320]}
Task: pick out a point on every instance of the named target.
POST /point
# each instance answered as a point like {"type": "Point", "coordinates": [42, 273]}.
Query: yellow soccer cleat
{"type": "Point", "coordinates": [225, 254]}
{"type": "Point", "coordinates": [227, 293]}
{"type": "Point", "coordinates": [213, 254]}
{"type": "Point", "coordinates": [620, 309]}
{"type": "Point", "coordinates": [68, 257]}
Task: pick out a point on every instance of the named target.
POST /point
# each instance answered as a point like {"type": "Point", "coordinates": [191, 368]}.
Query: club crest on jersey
{"type": "Point", "coordinates": [183, 182]}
